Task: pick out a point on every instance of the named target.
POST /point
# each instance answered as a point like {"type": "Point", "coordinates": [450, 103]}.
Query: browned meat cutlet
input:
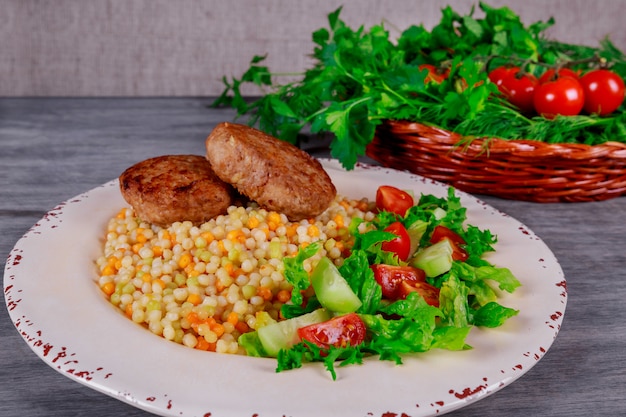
{"type": "Point", "coordinates": [170, 188]}
{"type": "Point", "coordinates": [276, 174]}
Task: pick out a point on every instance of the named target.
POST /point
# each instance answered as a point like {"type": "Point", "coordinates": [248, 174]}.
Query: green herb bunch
{"type": "Point", "coordinates": [360, 78]}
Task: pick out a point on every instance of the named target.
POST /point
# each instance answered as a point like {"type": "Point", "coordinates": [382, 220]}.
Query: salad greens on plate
{"type": "Point", "coordinates": [415, 280]}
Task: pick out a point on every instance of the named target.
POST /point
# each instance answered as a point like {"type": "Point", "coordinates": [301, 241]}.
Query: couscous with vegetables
{"type": "Point", "coordinates": [203, 286]}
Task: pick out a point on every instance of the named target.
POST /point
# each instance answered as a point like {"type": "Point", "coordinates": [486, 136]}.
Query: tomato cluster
{"type": "Point", "coordinates": [560, 92]}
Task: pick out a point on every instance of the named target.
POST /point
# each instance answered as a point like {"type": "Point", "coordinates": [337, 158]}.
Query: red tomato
{"type": "Point", "coordinates": [497, 75]}
{"type": "Point", "coordinates": [564, 96]}
{"type": "Point", "coordinates": [439, 232]}
{"type": "Point", "coordinates": [401, 245]}
{"type": "Point", "coordinates": [397, 282]}
{"type": "Point", "coordinates": [391, 277]}
{"type": "Point", "coordinates": [442, 232]}
{"type": "Point", "coordinates": [519, 89]}
{"type": "Point", "coordinates": [340, 331]}
{"type": "Point", "coordinates": [393, 199]}
{"type": "Point", "coordinates": [552, 74]}
{"type": "Point", "coordinates": [429, 293]}
{"type": "Point", "coordinates": [434, 73]}
{"type": "Point", "coordinates": [604, 91]}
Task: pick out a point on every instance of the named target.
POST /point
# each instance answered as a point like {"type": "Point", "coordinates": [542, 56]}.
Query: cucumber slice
{"type": "Point", "coordinates": [439, 213]}
{"type": "Point", "coordinates": [332, 290]}
{"type": "Point", "coordinates": [435, 259]}
{"type": "Point", "coordinates": [284, 334]}
{"type": "Point", "coordinates": [416, 230]}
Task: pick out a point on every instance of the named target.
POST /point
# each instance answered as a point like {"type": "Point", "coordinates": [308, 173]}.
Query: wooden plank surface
{"type": "Point", "coordinates": [53, 149]}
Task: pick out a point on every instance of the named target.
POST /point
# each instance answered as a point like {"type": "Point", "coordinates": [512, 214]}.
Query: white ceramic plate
{"type": "Point", "coordinates": [60, 312]}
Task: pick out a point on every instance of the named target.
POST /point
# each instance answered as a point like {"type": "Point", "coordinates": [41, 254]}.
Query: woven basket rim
{"type": "Point", "coordinates": [518, 169]}
{"type": "Point", "coordinates": [489, 145]}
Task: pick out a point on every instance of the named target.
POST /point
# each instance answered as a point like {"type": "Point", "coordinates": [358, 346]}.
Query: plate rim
{"type": "Point", "coordinates": [103, 380]}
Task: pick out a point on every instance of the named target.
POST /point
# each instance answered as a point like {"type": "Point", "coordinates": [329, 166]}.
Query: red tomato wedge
{"type": "Point", "coordinates": [394, 200]}
{"type": "Point", "coordinates": [390, 277]}
{"type": "Point", "coordinates": [439, 232]}
{"type": "Point", "coordinates": [340, 331]}
{"type": "Point", "coordinates": [397, 282]}
{"type": "Point", "coordinates": [427, 291]}
{"type": "Point", "coordinates": [401, 245]}
{"type": "Point", "coordinates": [442, 232]}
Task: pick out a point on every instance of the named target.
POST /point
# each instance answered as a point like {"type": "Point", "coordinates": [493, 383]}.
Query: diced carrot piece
{"type": "Point", "coordinates": [208, 236]}
{"type": "Point", "coordinates": [339, 220]}
{"type": "Point", "coordinates": [264, 292]}
{"type": "Point", "coordinates": [121, 214]}
{"type": "Point", "coordinates": [157, 250]}
{"type": "Point", "coordinates": [108, 288]}
{"type": "Point", "coordinates": [242, 327]}
{"type": "Point", "coordinates": [194, 299]}
{"type": "Point", "coordinates": [218, 329]}
{"type": "Point", "coordinates": [185, 260]}
{"type": "Point", "coordinates": [202, 344]}
{"type": "Point", "coordinates": [253, 222]}
{"type": "Point", "coordinates": [108, 270]}
{"type": "Point", "coordinates": [233, 318]}
{"type": "Point", "coordinates": [192, 317]}
{"type": "Point", "coordinates": [283, 296]}
{"type": "Point", "coordinates": [313, 231]}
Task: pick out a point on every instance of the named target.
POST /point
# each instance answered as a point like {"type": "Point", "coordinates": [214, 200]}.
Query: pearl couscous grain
{"type": "Point", "coordinates": [203, 286]}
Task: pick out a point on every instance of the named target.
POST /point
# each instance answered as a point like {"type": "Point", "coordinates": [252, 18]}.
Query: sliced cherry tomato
{"type": "Point", "coordinates": [604, 91]}
{"type": "Point", "coordinates": [553, 74]}
{"type": "Point", "coordinates": [397, 282]}
{"type": "Point", "coordinates": [434, 73]}
{"type": "Point", "coordinates": [390, 278]}
{"type": "Point", "coordinates": [441, 232]}
{"type": "Point", "coordinates": [564, 96]}
{"type": "Point", "coordinates": [428, 292]}
{"type": "Point", "coordinates": [401, 245]}
{"type": "Point", "coordinates": [519, 88]}
{"type": "Point", "coordinates": [394, 200]}
{"type": "Point", "coordinates": [340, 331]}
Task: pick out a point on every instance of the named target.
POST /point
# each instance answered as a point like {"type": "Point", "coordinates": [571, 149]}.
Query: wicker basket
{"type": "Point", "coordinates": [512, 169]}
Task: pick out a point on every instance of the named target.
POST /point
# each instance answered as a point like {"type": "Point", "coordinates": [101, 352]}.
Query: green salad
{"type": "Point", "coordinates": [415, 280]}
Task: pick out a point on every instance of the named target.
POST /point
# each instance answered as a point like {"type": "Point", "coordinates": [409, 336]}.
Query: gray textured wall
{"type": "Point", "coordinates": [184, 47]}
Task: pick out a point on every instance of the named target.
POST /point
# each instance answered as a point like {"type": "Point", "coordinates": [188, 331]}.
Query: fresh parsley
{"type": "Point", "coordinates": [362, 77]}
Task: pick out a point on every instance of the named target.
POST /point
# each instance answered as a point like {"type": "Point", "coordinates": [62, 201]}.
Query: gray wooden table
{"type": "Point", "coordinates": [53, 149]}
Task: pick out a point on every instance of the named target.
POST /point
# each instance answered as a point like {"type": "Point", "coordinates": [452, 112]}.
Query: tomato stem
{"type": "Point", "coordinates": [525, 62]}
